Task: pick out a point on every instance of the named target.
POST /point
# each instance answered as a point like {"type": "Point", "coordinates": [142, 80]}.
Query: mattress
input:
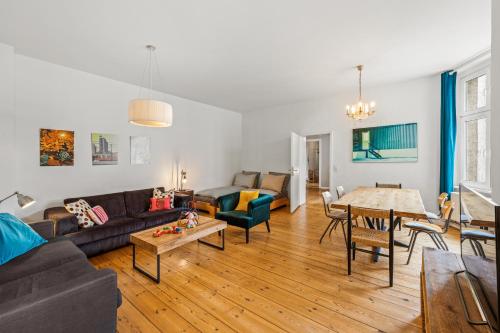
{"type": "Point", "coordinates": [213, 194]}
{"type": "Point", "coordinates": [274, 194]}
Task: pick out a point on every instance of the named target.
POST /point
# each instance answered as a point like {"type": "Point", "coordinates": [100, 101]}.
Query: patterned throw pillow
{"type": "Point", "coordinates": [93, 216]}
{"type": "Point", "coordinates": [101, 214]}
{"type": "Point", "coordinates": [158, 194]}
{"type": "Point", "coordinates": [79, 209]}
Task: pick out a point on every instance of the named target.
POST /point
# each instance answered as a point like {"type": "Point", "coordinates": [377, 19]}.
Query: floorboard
{"type": "Point", "coordinates": [283, 281]}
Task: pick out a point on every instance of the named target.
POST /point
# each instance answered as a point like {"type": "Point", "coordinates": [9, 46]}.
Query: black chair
{"type": "Point", "coordinates": [379, 185]}
{"type": "Point", "coordinates": [370, 237]}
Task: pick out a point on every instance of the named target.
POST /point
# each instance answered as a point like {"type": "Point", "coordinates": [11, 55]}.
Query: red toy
{"type": "Point", "coordinates": [167, 230]}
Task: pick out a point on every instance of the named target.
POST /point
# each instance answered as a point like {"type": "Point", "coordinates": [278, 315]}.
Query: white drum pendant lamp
{"type": "Point", "coordinates": [147, 111]}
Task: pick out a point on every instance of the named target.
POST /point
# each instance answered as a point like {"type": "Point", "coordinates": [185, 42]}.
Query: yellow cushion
{"type": "Point", "coordinates": [245, 198]}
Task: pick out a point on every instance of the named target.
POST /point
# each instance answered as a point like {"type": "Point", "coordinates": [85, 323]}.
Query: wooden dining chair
{"type": "Point", "coordinates": [440, 202]}
{"type": "Point", "coordinates": [380, 185]}
{"type": "Point", "coordinates": [370, 237]}
{"type": "Point", "coordinates": [337, 216]}
{"type": "Point", "coordinates": [432, 229]}
{"type": "Point", "coordinates": [340, 191]}
{"type": "Point", "coordinates": [442, 198]}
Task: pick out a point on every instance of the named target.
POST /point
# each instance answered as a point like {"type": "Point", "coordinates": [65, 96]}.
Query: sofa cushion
{"type": "Point", "coordinates": [79, 209]}
{"type": "Point", "coordinates": [284, 190]}
{"type": "Point", "coordinates": [160, 194]}
{"type": "Point", "coordinates": [153, 219]}
{"type": "Point", "coordinates": [245, 198]}
{"type": "Point", "coordinates": [257, 176]}
{"type": "Point", "coordinates": [273, 182]}
{"type": "Point", "coordinates": [45, 278]}
{"type": "Point", "coordinates": [113, 204]}
{"type": "Point", "coordinates": [244, 180]}
{"type": "Point", "coordinates": [114, 227]}
{"type": "Point", "coordinates": [54, 253]}
{"type": "Point", "coordinates": [16, 238]}
{"type": "Point", "coordinates": [159, 204]}
{"type": "Point", "coordinates": [101, 214]}
{"type": "Point", "coordinates": [138, 201]}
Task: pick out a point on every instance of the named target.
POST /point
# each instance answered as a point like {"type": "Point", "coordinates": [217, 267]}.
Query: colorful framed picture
{"type": "Point", "coordinates": [104, 149]}
{"type": "Point", "coordinates": [57, 147]}
{"type": "Point", "coordinates": [140, 150]}
{"type": "Point", "coordinates": [392, 143]}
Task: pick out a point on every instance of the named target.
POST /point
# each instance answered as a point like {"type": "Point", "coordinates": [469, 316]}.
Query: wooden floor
{"type": "Point", "coordinates": [282, 281]}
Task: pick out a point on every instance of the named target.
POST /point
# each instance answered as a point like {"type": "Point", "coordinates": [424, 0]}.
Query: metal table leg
{"type": "Point", "coordinates": [157, 278]}
{"type": "Point", "coordinates": [218, 247]}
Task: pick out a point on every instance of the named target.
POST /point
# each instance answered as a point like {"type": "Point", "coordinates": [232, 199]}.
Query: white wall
{"type": "Point", "coordinates": [205, 140]}
{"type": "Point", "coordinates": [495, 89]}
{"type": "Point", "coordinates": [266, 135]}
{"type": "Point", "coordinates": [7, 125]}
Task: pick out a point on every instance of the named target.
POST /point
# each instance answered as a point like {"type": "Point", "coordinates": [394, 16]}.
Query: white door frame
{"type": "Point", "coordinates": [330, 185]}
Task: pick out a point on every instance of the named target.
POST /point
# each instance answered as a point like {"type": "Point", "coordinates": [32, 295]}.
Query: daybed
{"type": "Point", "coordinates": [208, 200]}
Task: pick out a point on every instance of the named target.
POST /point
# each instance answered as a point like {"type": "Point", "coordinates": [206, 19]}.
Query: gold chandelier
{"type": "Point", "coordinates": [360, 110]}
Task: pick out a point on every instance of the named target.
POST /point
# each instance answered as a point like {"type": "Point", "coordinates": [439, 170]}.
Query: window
{"type": "Point", "coordinates": [474, 129]}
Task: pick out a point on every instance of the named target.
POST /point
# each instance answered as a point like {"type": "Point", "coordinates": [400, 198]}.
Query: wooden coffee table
{"type": "Point", "coordinates": [159, 245]}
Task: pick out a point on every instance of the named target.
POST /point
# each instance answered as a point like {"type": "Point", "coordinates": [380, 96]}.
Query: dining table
{"type": "Point", "coordinates": [406, 203]}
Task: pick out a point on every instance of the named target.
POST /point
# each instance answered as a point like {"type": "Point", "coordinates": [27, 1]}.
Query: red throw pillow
{"type": "Point", "coordinates": [159, 204]}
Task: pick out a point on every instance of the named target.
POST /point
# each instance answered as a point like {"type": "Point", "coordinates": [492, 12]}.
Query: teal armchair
{"type": "Point", "coordinates": [259, 210]}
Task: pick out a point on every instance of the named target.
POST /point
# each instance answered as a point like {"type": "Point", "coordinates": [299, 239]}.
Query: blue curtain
{"type": "Point", "coordinates": [448, 130]}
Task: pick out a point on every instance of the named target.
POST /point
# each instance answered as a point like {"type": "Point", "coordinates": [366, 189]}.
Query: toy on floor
{"type": "Point", "coordinates": [167, 230]}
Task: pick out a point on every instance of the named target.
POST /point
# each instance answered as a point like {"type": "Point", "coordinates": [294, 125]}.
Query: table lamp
{"type": "Point", "coordinates": [183, 178]}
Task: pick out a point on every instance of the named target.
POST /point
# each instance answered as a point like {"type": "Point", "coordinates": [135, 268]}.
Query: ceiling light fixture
{"type": "Point", "coordinates": [360, 110]}
{"type": "Point", "coordinates": [147, 111]}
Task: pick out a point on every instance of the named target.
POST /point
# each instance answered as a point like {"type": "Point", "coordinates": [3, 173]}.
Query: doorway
{"type": "Point", "coordinates": [318, 161]}
{"type": "Point", "coordinates": [310, 169]}
{"type": "Point", "coordinates": [313, 147]}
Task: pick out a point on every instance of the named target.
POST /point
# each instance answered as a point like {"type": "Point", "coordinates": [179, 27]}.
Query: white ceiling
{"type": "Point", "coordinates": [250, 54]}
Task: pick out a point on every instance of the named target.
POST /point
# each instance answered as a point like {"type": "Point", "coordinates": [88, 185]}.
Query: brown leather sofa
{"type": "Point", "coordinates": [128, 212]}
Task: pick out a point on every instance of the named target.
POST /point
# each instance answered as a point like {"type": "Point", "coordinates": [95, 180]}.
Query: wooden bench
{"type": "Point", "coordinates": [442, 310]}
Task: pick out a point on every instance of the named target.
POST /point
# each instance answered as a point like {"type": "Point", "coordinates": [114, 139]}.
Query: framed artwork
{"type": "Point", "coordinates": [57, 147]}
{"type": "Point", "coordinates": [104, 149]}
{"type": "Point", "coordinates": [392, 143]}
{"type": "Point", "coordinates": [140, 152]}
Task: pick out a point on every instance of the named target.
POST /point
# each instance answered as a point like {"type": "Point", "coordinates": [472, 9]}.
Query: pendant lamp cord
{"type": "Point", "coordinates": [360, 96]}
{"type": "Point", "coordinates": [148, 69]}
{"type": "Point", "coordinates": [150, 73]}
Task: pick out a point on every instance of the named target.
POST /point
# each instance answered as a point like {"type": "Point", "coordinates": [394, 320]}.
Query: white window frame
{"type": "Point", "coordinates": [463, 116]}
